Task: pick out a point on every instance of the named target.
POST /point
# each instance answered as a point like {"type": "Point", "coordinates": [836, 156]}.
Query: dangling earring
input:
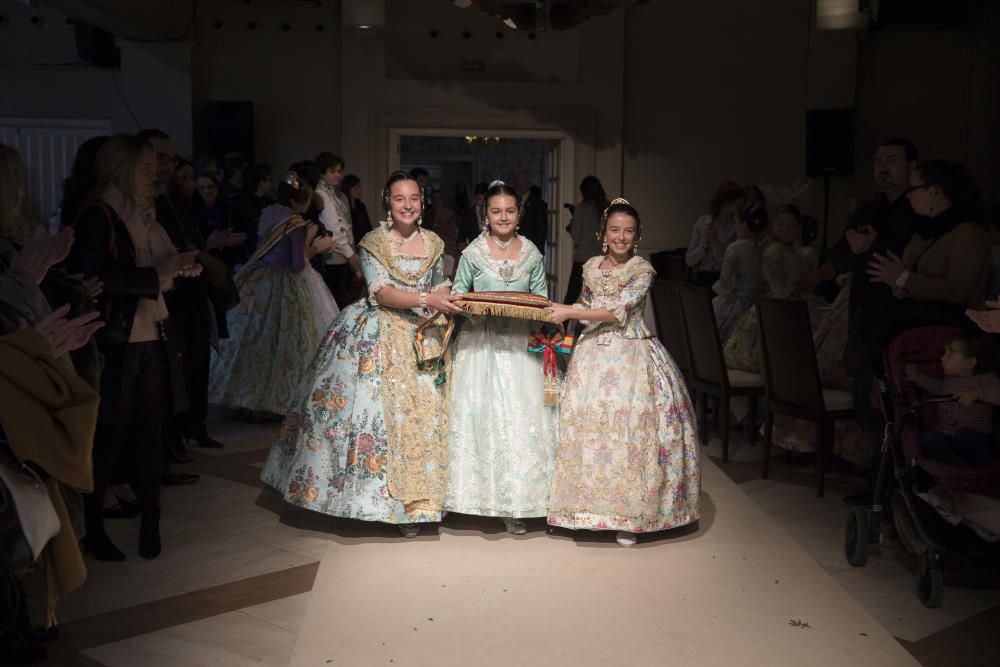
{"type": "Point", "coordinates": [604, 248]}
{"type": "Point", "coordinates": [420, 220]}
{"type": "Point", "coordinates": [635, 248]}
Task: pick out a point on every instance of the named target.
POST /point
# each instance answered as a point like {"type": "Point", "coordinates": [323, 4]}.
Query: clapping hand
{"type": "Point", "coordinates": [885, 268]}
{"type": "Point", "coordinates": [66, 335]}
{"type": "Point", "coordinates": [988, 320]}
{"type": "Point", "coordinates": [42, 254]}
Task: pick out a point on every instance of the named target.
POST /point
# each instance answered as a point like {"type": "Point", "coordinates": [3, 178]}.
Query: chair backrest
{"type": "Point", "coordinates": [669, 265]}
{"type": "Point", "coordinates": [702, 336]}
{"type": "Point", "coordinates": [790, 368]}
{"type": "Point", "coordinates": [670, 322]}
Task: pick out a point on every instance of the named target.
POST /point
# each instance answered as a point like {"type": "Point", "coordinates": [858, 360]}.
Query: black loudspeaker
{"type": "Point", "coordinates": [225, 127]}
{"type": "Point", "coordinates": [829, 142]}
{"type": "Point", "coordinates": [96, 46]}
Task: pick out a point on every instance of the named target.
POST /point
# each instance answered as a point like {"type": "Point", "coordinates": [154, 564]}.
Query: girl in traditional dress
{"type": "Point", "coordinates": [740, 281]}
{"type": "Point", "coordinates": [627, 458]}
{"type": "Point", "coordinates": [503, 435]}
{"type": "Point", "coordinates": [367, 436]}
{"type": "Point", "coordinates": [784, 267]}
{"type": "Point", "coordinates": [274, 331]}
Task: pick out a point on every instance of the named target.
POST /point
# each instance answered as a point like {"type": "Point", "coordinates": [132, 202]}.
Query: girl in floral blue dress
{"type": "Point", "coordinates": [367, 438]}
{"type": "Point", "coordinates": [627, 458]}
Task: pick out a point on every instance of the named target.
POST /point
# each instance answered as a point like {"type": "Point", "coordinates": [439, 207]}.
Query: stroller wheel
{"type": "Point", "coordinates": [856, 537]}
{"type": "Point", "coordinates": [930, 581]}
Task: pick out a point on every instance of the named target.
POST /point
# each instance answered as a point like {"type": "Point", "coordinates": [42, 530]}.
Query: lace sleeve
{"type": "Point", "coordinates": [631, 296]}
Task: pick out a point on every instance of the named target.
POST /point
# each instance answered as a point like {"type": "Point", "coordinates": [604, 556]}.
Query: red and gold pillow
{"type": "Point", "coordinates": [519, 305]}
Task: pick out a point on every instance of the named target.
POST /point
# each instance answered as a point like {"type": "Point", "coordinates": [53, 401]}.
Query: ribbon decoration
{"type": "Point", "coordinates": [550, 345]}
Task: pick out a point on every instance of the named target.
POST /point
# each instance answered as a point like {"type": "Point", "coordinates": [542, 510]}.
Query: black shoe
{"type": "Point", "coordinates": [149, 536]}
{"type": "Point", "coordinates": [123, 510]}
{"type": "Point", "coordinates": [179, 478]}
{"type": "Point", "coordinates": [100, 546]}
{"type": "Point", "coordinates": [858, 500]}
{"type": "Point", "coordinates": [208, 443]}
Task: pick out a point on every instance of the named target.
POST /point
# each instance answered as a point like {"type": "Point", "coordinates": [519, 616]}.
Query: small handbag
{"type": "Point", "coordinates": [28, 520]}
{"type": "Point", "coordinates": [430, 342]}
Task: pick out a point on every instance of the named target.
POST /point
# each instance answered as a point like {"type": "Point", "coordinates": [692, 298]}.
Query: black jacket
{"type": "Point", "coordinates": [102, 247]}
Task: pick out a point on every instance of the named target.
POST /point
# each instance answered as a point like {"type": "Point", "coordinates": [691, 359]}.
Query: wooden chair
{"type": "Point", "coordinates": [792, 380]}
{"type": "Point", "coordinates": [670, 323]}
{"type": "Point", "coordinates": [708, 375]}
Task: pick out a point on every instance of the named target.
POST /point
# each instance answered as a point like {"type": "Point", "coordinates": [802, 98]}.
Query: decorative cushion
{"type": "Point", "coordinates": [518, 305]}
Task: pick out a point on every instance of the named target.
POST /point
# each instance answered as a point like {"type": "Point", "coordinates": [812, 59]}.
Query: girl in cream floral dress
{"type": "Point", "coordinates": [627, 458]}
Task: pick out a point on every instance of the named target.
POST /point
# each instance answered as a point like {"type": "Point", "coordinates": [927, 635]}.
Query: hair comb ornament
{"type": "Point", "coordinates": [292, 179]}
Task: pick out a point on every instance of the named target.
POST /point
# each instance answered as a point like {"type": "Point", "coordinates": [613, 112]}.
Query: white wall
{"type": "Point", "coordinates": [40, 73]}
{"type": "Point", "coordinates": [293, 77]}
{"type": "Point", "coordinates": [717, 90]}
{"type": "Point", "coordinates": [509, 104]}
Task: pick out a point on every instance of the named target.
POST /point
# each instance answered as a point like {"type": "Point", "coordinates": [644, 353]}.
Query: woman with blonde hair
{"type": "Point", "coordinates": [119, 240]}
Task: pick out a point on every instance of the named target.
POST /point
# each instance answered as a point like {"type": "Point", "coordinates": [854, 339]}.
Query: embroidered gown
{"type": "Point", "coordinates": [273, 332]}
{"type": "Point", "coordinates": [367, 435]}
{"type": "Point", "coordinates": [502, 436]}
{"type": "Point", "coordinates": [739, 284]}
{"type": "Point", "coordinates": [628, 456]}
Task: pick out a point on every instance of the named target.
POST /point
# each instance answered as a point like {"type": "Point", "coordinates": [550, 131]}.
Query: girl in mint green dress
{"type": "Point", "coordinates": [502, 436]}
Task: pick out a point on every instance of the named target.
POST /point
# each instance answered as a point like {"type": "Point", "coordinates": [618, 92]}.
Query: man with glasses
{"type": "Point", "coordinates": [881, 226]}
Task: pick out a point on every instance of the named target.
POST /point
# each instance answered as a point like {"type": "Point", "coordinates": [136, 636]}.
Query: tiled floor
{"type": "Point", "coordinates": [233, 582]}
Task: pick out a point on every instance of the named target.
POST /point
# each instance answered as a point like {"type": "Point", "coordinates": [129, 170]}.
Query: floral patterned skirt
{"type": "Point", "coordinates": [331, 453]}
{"type": "Point", "coordinates": [628, 456]}
{"type": "Point", "coordinates": [272, 339]}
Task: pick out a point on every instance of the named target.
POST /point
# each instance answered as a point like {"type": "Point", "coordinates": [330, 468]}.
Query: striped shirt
{"type": "Point", "coordinates": [951, 416]}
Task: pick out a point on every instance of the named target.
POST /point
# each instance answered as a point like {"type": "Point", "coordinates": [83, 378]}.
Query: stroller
{"type": "Point", "coordinates": [921, 530]}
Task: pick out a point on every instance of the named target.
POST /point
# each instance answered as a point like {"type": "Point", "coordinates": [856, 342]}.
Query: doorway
{"type": "Point", "coordinates": [456, 160]}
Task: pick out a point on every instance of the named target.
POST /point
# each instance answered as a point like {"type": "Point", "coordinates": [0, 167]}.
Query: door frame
{"type": "Point", "coordinates": [575, 129]}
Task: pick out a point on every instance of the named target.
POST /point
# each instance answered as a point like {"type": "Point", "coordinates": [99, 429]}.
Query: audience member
{"type": "Point", "coordinates": [740, 281]}
{"type": "Point", "coordinates": [534, 211]}
{"type": "Point", "coordinates": [441, 220]}
{"type": "Point", "coordinates": [470, 224]}
{"type": "Point", "coordinates": [361, 224]}
{"type": "Point", "coordinates": [585, 230]}
{"type": "Point", "coordinates": [343, 270]}
{"type": "Point", "coordinates": [713, 233]}
{"type": "Point", "coordinates": [119, 240]}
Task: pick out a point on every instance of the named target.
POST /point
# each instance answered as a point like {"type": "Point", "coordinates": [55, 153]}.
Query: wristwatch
{"type": "Point", "coordinates": [901, 280]}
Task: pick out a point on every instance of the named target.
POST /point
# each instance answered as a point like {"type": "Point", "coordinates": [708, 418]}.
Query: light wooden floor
{"type": "Point", "coordinates": [237, 585]}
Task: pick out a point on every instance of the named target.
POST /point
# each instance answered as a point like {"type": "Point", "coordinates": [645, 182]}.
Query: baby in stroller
{"type": "Point", "coordinates": [962, 433]}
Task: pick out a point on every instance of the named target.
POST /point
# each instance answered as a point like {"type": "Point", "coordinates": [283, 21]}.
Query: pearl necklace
{"type": "Point", "coordinates": [502, 247]}
{"type": "Point", "coordinates": [397, 239]}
